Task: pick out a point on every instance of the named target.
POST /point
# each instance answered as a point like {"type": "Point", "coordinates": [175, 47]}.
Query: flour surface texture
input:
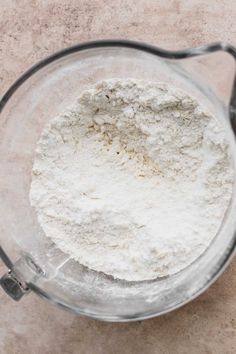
{"type": "Point", "coordinates": [133, 180]}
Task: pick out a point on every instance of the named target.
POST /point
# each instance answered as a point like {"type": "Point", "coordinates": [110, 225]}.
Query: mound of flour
{"type": "Point", "coordinates": [133, 180]}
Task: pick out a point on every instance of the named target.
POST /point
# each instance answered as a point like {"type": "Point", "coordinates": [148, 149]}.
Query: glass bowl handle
{"type": "Point", "coordinates": [207, 49]}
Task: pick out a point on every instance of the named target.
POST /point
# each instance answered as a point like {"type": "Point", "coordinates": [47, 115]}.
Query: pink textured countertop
{"type": "Point", "coordinates": [31, 29]}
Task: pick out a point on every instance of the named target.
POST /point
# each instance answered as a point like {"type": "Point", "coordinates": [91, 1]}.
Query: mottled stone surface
{"type": "Point", "coordinates": [31, 29]}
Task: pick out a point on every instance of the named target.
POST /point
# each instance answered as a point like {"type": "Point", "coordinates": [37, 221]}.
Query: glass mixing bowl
{"type": "Point", "coordinates": [39, 95]}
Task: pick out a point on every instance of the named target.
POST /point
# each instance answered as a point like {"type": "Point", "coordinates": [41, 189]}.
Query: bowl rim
{"type": "Point", "coordinates": [77, 48]}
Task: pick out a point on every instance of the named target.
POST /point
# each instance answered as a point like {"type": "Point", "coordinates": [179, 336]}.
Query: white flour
{"type": "Point", "coordinates": [133, 181]}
